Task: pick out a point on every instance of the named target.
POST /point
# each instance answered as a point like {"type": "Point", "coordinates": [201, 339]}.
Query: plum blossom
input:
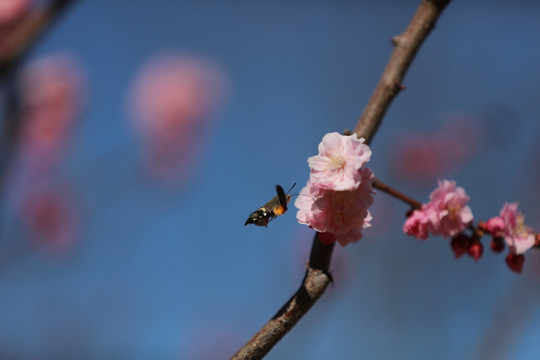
{"type": "Point", "coordinates": [337, 196]}
{"type": "Point", "coordinates": [417, 225]}
{"type": "Point", "coordinates": [336, 166]}
{"type": "Point", "coordinates": [447, 210]}
{"type": "Point", "coordinates": [511, 225]}
{"type": "Point", "coordinates": [496, 227]}
{"type": "Point", "coordinates": [446, 214]}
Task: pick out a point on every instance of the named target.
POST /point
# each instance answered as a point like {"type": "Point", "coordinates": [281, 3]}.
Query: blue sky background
{"type": "Point", "coordinates": [172, 273]}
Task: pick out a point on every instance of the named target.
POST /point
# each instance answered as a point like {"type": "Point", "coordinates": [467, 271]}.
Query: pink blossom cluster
{"type": "Point", "coordinates": [337, 196]}
{"type": "Point", "coordinates": [446, 214]}
{"type": "Point", "coordinates": [510, 225]}
{"type": "Point", "coordinates": [52, 95]}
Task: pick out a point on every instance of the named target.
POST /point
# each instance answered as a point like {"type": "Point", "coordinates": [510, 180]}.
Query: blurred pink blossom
{"type": "Point", "coordinates": [50, 215]}
{"type": "Point", "coordinates": [446, 214]}
{"type": "Point", "coordinates": [518, 236]}
{"type": "Point", "coordinates": [417, 225]}
{"type": "Point", "coordinates": [337, 196]}
{"type": "Point", "coordinates": [12, 10]}
{"type": "Point", "coordinates": [172, 102]}
{"type": "Point", "coordinates": [51, 90]}
{"type": "Point", "coordinates": [422, 156]}
{"type": "Point", "coordinates": [417, 157]}
{"type": "Point", "coordinates": [336, 166]}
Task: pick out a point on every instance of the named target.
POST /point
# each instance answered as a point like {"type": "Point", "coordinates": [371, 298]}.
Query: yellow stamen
{"type": "Point", "coordinates": [453, 211]}
{"type": "Point", "coordinates": [337, 161]}
{"type": "Point", "coordinates": [521, 229]}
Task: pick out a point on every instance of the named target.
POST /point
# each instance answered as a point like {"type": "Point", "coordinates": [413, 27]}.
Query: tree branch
{"type": "Point", "coordinates": [317, 276]}
{"type": "Point", "coordinates": [313, 285]}
{"type": "Point", "coordinates": [406, 46]}
{"type": "Point", "coordinates": [378, 184]}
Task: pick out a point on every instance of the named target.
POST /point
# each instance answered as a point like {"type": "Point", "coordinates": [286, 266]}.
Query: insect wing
{"type": "Point", "coordinates": [282, 197]}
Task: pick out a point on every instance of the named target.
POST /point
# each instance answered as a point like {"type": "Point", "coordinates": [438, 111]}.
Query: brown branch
{"type": "Point", "coordinates": [26, 32]}
{"type": "Point", "coordinates": [406, 46]}
{"type": "Point", "coordinates": [378, 184]}
{"type": "Point", "coordinates": [317, 276]}
{"type": "Point", "coordinates": [315, 282]}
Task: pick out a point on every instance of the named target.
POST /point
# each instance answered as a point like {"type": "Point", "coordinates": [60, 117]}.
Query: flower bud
{"type": "Point", "coordinates": [460, 244]}
{"type": "Point", "coordinates": [497, 244]}
{"type": "Point", "coordinates": [515, 262]}
{"type": "Point", "coordinates": [476, 250]}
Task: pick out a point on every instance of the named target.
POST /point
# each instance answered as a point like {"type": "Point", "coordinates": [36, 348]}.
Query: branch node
{"type": "Point", "coordinates": [397, 40]}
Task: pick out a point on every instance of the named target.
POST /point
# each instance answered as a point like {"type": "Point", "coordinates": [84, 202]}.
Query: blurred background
{"type": "Point", "coordinates": [146, 132]}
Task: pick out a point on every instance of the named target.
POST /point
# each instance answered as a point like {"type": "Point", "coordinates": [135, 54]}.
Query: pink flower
{"type": "Point", "coordinates": [52, 218]}
{"type": "Point", "coordinates": [173, 102]}
{"type": "Point", "coordinates": [518, 236]}
{"type": "Point", "coordinates": [52, 95]}
{"type": "Point", "coordinates": [447, 210]}
{"type": "Point", "coordinates": [496, 227]}
{"type": "Point", "coordinates": [337, 215]}
{"type": "Point", "coordinates": [12, 10]}
{"type": "Point", "coordinates": [446, 213]}
{"type": "Point", "coordinates": [417, 225]}
{"type": "Point", "coordinates": [337, 165]}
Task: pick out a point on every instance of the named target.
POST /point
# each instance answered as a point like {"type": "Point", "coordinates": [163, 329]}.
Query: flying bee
{"type": "Point", "coordinates": [269, 211]}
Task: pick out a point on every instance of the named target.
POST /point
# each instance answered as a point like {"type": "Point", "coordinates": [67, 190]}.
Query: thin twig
{"type": "Point", "coordinates": [26, 32]}
{"type": "Point", "coordinates": [317, 276]}
{"type": "Point", "coordinates": [378, 184]}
